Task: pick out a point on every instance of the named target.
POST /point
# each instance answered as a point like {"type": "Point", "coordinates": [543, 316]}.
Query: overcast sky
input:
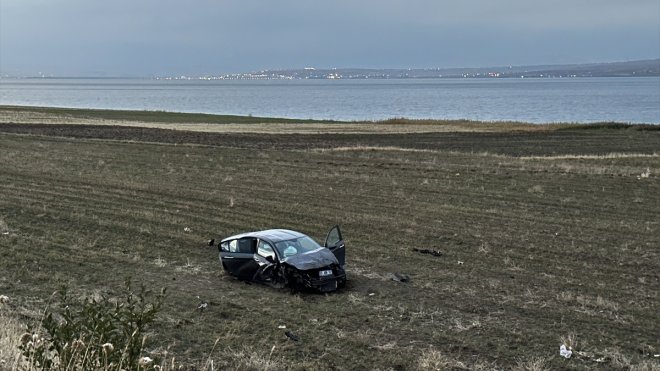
{"type": "Point", "coordinates": [167, 37]}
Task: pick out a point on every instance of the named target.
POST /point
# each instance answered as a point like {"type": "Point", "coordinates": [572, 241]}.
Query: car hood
{"type": "Point", "coordinates": [312, 260]}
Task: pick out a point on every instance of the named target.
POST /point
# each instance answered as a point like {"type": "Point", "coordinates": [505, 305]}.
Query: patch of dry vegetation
{"type": "Point", "coordinates": [607, 156]}
{"type": "Point", "coordinates": [10, 338]}
{"type": "Point", "coordinates": [433, 359]}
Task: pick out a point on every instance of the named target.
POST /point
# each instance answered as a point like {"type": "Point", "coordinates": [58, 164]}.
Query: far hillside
{"type": "Point", "coordinates": [639, 68]}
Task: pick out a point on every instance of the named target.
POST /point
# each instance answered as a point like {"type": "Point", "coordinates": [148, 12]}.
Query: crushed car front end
{"type": "Point", "coordinates": [325, 279]}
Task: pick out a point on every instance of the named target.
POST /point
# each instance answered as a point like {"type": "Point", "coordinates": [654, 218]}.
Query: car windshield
{"type": "Point", "coordinates": [294, 247]}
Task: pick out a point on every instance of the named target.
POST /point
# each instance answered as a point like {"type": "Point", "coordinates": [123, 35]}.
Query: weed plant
{"type": "Point", "coordinates": [97, 333]}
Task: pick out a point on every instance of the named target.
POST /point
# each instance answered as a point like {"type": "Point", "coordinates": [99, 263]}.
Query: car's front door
{"type": "Point", "coordinates": [335, 243]}
{"type": "Point", "coordinates": [239, 260]}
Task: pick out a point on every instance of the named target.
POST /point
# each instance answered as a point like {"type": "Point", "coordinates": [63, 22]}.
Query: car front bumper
{"type": "Point", "coordinates": [326, 284]}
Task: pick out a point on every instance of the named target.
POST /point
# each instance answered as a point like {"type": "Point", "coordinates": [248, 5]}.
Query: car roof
{"type": "Point", "coordinates": [271, 235]}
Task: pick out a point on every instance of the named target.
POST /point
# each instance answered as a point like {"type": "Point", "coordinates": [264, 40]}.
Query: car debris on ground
{"type": "Point", "coordinates": [291, 336]}
{"type": "Point", "coordinates": [565, 352]}
{"type": "Point", "coordinates": [399, 277]}
{"type": "Point", "coordinates": [427, 251]}
{"type": "Point", "coordinates": [202, 306]}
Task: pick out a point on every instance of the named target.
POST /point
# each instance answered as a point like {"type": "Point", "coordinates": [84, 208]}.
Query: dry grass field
{"type": "Point", "coordinates": [547, 236]}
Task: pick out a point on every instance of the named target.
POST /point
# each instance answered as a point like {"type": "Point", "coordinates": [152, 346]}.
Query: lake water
{"type": "Point", "coordinates": [532, 100]}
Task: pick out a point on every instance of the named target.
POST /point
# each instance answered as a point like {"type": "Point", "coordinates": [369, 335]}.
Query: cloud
{"type": "Point", "coordinates": [556, 14]}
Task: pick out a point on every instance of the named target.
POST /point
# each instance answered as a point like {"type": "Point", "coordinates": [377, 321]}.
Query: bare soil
{"type": "Point", "coordinates": [514, 143]}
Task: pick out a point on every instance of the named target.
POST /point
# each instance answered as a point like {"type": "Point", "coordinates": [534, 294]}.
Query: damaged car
{"type": "Point", "coordinates": [286, 258]}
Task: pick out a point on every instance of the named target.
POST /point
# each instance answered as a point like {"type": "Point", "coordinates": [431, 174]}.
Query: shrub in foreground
{"type": "Point", "coordinates": [93, 334]}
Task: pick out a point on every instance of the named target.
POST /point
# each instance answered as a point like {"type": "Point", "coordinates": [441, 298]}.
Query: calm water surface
{"type": "Point", "coordinates": [531, 100]}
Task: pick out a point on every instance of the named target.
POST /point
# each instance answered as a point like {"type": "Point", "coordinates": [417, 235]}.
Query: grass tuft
{"type": "Point", "coordinates": [433, 359]}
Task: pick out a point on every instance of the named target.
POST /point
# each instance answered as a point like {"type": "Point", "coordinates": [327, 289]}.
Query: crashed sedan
{"type": "Point", "coordinates": [285, 258]}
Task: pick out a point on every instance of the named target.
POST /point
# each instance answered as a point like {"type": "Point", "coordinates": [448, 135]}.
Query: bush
{"type": "Point", "coordinates": [94, 334]}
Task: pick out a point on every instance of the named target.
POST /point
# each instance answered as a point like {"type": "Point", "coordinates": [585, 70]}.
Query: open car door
{"type": "Point", "coordinates": [335, 243]}
{"type": "Point", "coordinates": [238, 258]}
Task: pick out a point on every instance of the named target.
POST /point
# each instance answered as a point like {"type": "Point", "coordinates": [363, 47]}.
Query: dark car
{"type": "Point", "coordinates": [285, 258]}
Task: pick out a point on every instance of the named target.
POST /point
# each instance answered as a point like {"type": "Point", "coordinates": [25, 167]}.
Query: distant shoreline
{"type": "Point", "coordinates": [201, 122]}
{"type": "Point", "coordinates": [256, 78]}
{"type": "Point", "coordinates": [636, 68]}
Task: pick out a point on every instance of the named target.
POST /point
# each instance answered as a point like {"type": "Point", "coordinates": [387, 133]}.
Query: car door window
{"type": "Point", "coordinates": [224, 246]}
{"type": "Point", "coordinates": [247, 245]}
{"type": "Point", "coordinates": [233, 246]}
{"type": "Point", "coordinates": [266, 250]}
{"type": "Point", "coordinates": [333, 238]}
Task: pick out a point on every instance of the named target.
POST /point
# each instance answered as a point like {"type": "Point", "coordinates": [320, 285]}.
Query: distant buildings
{"type": "Point", "coordinates": [616, 69]}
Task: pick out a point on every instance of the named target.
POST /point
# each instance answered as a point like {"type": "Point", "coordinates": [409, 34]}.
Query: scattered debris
{"type": "Point", "coordinates": [427, 251]}
{"type": "Point", "coordinates": [6, 233]}
{"type": "Point", "coordinates": [281, 326]}
{"type": "Point", "coordinates": [460, 262]}
{"type": "Point", "coordinates": [202, 306]}
{"type": "Point", "coordinates": [645, 174]}
{"type": "Point", "coordinates": [398, 277]}
{"type": "Point", "coordinates": [372, 293]}
{"type": "Point", "coordinates": [187, 229]}
{"type": "Point", "coordinates": [291, 336]}
{"type": "Point", "coordinates": [211, 242]}
{"type": "Point", "coordinates": [566, 353]}
{"type": "Point", "coordinates": [4, 299]}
